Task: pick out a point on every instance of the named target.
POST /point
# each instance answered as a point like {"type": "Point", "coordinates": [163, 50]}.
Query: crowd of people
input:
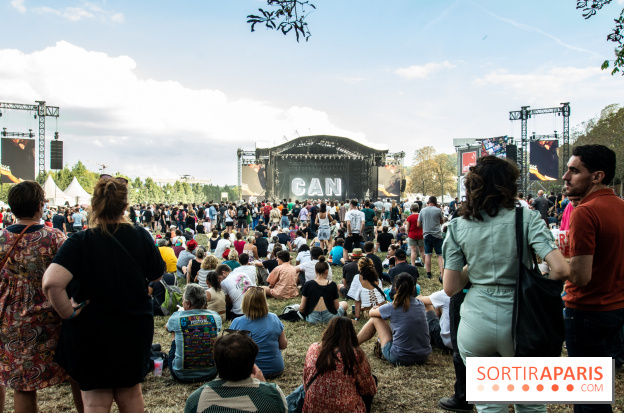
{"type": "Point", "coordinates": [87, 281]}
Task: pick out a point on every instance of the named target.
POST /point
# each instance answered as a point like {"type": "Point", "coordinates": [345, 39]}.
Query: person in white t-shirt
{"type": "Point", "coordinates": [437, 308]}
{"type": "Point", "coordinates": [223, 244]}
{"type": "Point", "coordinates": [306, 270]}
{"type": "Point", "coordinates": [355, 228]}
{"type": "Point", "coordinates": [245, 268]}
{"type": "Point", "coordinates": [234, 286]}
{"type": "Point", "coordinates": [522, 201]}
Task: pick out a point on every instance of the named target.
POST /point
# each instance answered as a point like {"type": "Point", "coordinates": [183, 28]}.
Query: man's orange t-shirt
{"type": "Point", "coordinates": [597, 228]}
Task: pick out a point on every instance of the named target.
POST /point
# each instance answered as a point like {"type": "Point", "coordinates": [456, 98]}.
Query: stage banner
{"type": "Point", "coordinates": [389, 182]}
{"type": "Point", "coordinates": [544, 160]}
{"type": "Point", "coordinates": [468, 159]}
{"type": "Point", "coordinates": [253, 182]}
{"type": "Point", "coordinates": [494, 146]}
{"type": "Point", "coordinates": [317, 185]}
{"type": "Point", "coordinates": [18, 160]}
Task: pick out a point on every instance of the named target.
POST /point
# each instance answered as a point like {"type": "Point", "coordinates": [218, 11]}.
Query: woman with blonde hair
{"type": "Point", "coordinates": [232, 260]}
{"type": "Point", "coordinates": [265, 329]}
{"type": "Point", "coordinates": [251, 249]}
{"type": "Point", "coordinates": [208, 264]}
{"type": "Point", "coordinates": [98, 283]}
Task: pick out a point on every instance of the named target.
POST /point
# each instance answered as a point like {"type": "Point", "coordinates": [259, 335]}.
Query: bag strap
{"type": "Point", "coordinates": [520, 237]}
{"type": "Point", "coordinates": [19, 237]}
{"type": "Point", "coordinates": [312, 379]}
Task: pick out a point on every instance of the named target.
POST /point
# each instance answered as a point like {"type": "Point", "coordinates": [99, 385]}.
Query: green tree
{"type": "Point", "coordinates": [444, 167]}
{"type": "Point", "coordinates": [606, 129]}
{"type": "Point", "coordinates": [590, 8]}
{"type": "Point", "coordinates": [421, 173]}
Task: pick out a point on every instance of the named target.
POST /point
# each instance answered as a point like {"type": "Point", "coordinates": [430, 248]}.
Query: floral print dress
{"type": "Point", "coordinates": [29, 326]}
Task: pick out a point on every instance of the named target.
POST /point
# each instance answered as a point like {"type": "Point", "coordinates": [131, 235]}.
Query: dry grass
{"type": "Point", "coordinates": [401, 389]}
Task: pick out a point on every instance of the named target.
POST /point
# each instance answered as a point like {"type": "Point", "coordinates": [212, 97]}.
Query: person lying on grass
{"type": "Point", "coordinates": [405, 341]}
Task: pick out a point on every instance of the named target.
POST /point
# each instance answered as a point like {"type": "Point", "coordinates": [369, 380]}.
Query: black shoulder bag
{"type": "Point", "coordinates": [537, 328]}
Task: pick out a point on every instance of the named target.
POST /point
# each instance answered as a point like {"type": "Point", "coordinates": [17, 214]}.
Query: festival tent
{"type": "Point", "coordinates": [77, 194]}
{"type": "Point", "coordinates": [54, 194]}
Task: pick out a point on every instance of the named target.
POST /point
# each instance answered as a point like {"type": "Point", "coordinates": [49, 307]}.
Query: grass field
{"type": "Point", "coordinates": [401, 389]}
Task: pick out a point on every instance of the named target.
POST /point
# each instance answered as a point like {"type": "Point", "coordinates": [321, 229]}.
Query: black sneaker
{"type": "Point", "coordinates": [428, 275]}
{"type": "Point", "coordinates": [452, 405]}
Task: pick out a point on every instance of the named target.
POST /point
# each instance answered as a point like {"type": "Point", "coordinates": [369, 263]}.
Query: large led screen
{"type": "Point", "coordinates": [544, 160]}
{"type": "Point", "coordinates": [319, 185]}
{"type": "Point", "coordinates": [18, 160]}
{"type": "Point", "coordinates": [389, 182]}
{"type": "Point", "coordinates": [494, 146]}
{"type": "Point", "coordinates": [253, 181]}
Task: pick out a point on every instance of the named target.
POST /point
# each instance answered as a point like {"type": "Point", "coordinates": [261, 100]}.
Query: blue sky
{"type": "Point", "coordinates": [169, 88]}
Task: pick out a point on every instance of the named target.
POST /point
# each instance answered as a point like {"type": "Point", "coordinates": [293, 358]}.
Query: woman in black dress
{"type": "Point", "coordinates": [108, 314]}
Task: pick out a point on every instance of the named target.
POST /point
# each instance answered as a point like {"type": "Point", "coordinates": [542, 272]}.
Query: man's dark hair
{"type": "Point", "coordinates": [433, 200]}
{"type": "Point", "coordinates": [597, 158]}
{"type": "Point", "coordinates": [235, 355]}
{"type": "Point", "coordinates": [243, 258]}
{"type": "Point", "coordinates": [384, 229]}
{"type": "Point", "coordinates": [25, 199]}
{"type": "Point", "coordinates": [354, 202]}
{"type": "Point", "coordinates": [316, 252]}
{"type": "Point", "coordinates": [340, 241]}
{"type": "Point", "coordinates": [368, 246]}
{"type": "Point", "coordinates": [284, 256]}
{"type": "Point", "coordinates": [367, 204]}
{"type": "Point", "coordinates": [400, 255]}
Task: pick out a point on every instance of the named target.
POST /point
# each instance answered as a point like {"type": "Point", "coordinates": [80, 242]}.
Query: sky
{"type": "Point", "coordinates": [164, 89]}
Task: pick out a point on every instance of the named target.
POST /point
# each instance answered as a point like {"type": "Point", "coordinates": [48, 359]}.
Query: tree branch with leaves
{"type": "Point", "coordinates": [590, 8]}
{"type": "Point", "coordinates": [288, 15]}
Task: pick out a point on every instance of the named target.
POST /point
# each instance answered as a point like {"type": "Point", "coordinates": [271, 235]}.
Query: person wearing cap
{"type": "Point", "coordinates": [185, 257]}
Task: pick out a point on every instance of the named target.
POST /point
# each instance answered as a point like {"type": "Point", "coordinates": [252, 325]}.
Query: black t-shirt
{"type": "Point", "coordinates": [213, 243]}
{"type": "Point", "coordinates": [241, 212]}
{"type": "Point", "coordinates": [404, 267]}
{"type": "Point", "coordinates": [200, 213]}
{"type": "Point", "coordinates": [295, 211]}
{"type": "Point", "coordinates": [308, 232]}
{"type": "Point", "coordinates": [349, 271]}
{"type": "Point", "coordinates": [284, 211]}
{"type": "Point", "coordinates": [261, 228]}
{"type": "Point", "coordinates": [384, 239]}
{"type": "Point", "coordinates": [313, 291]}
{"type": "Point", "coordinates": [222, 210]}
{"type": "Point", "coordinates": [195, 267]}
{"type": "Point", "coordinates": [106, 274]}
{"type": "Point", "coordinates": [269, 264]}
{"type": "Point", "coordinates": [261, 245]}
{"type": "Point", "coordinates": [377, 262]}
{"type": "Point", "coordinates": [147, 215]}
{"type": "Point", "coordinates": [58, 220]}
{"type": "Point", "coordinates": [283, 238]}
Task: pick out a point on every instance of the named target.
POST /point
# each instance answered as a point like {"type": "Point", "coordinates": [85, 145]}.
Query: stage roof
{"type": "Point", "coordinates": [304, 140]}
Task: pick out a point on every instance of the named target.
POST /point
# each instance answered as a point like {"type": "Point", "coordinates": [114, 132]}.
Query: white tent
{"type": "Point", "coordinates": [53, 193]}
{"type": "Point", "coordinates": [77, 194]}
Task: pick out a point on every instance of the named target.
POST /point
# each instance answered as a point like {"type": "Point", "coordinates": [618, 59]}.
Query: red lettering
{"type": "Point", "coordinates": [581, 373]}
{"type": "Point", "coordinates": [532, 372]}
{"type": "Point", "coordinates": [488, 373]}
{"type": "Point", "coordinates": [558, 372]}
{"type": "Point", "coordinates": [516, 369]}
{"type": "Point", "coordinates": [505, 373]}
{"type": "Point", "coordinates": [569, 373]}
{"type": "Point", "coordinates": [546, 373]}
{"type": "Point", "coordinates": [598, 370]}
{"type": "Point", "coordinates": [479, 370]}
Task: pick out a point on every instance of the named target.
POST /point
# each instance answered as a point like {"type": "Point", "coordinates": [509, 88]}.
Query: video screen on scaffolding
{"type": "Point", "coordinates": [253, 182]}
{"type": "Point", "coordinates": [316, 185]}
{"type": "Point", "coordinates": [494, 146]}
{"type": "Point", "coordinates": [389, 182]}
{"type": "Point", "coordinates": [544, 160]}
{"type": "Point", "coordinates": [18, 160]}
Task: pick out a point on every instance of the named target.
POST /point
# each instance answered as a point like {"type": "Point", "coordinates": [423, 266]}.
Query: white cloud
{"type": "Point", "coordinates": [421, 72]}
{"type": "Point", "coordinates": [18, 5]}
{"type": "Point", "coordinates": [110, 115]}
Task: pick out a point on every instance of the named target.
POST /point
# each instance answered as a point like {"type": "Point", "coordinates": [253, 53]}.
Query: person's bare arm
{"type": "Point", "coordinates": [283, 343]}
{"type": "Point", "coordinates": [454, 281]}
{"type": "Point", "coordinates": [581, 270]}
{"type": "Point", "coordinates": [425, 298]}
{"type": "Point", "coordinates": [55, 280]}
{"type": "Point", "coordinates": [374, 312]}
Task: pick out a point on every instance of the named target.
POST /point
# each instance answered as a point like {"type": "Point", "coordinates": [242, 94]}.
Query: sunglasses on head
{"type": "Point", "coordinates": [118, 179]}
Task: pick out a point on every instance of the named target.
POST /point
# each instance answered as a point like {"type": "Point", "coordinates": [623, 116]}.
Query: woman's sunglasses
{"type": "Point", "coordinates": [118, 179]}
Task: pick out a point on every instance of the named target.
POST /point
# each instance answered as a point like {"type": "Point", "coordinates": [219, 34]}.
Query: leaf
{"type": "Point", "coordinates": [605, 65]}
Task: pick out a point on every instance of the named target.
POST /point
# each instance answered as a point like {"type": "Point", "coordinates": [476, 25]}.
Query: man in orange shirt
{"type": "Point", "coordinates": [594, 313]}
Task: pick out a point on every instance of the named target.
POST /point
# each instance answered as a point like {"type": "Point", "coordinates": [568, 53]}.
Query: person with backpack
{"type": "Point", "coordinates": [8, 218]}
{"type": "Point", "coordinates": [241, 218]}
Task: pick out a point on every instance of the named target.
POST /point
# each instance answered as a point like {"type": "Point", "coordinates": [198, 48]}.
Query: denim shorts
{"type": "Point", "coordinates": [323, 317]}
{"type": "Point", "coordinates": [433, 243]}
{"type": "Point", "coordinates": [387, 353]}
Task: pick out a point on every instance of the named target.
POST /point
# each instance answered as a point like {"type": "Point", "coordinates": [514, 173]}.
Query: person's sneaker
{"type": "Point", "coordinates": [419, 263]}
{"type": "Point", "coordinates": [452, 405]}
{"type": "Point", "coordinates": [428, 275]}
